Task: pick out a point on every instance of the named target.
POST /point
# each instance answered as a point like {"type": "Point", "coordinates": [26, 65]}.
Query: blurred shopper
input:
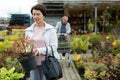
{"type": "Point", "coordinates": [63, 30]}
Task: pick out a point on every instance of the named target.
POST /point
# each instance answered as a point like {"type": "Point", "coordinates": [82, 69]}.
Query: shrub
{"type": "Point", "coordinates": [10, 74]}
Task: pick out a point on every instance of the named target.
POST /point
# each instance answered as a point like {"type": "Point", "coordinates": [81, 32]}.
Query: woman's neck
{"type": "Point", "coordinates": [40, 24]}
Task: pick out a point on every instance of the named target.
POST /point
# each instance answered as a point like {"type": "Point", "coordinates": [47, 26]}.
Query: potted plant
{"type": "Point", "coordinates": [90, 26]}
{"type": "Point", "coordinates": [107, 24]}
{"type": "Point", "coordinates": [94, 71]}
{"type": "Point", "coordinates": [80, 59]}
{"type": "Point", "coordinates": [22, 50]}
{"type": "Point", "coordinates": [95, 40]}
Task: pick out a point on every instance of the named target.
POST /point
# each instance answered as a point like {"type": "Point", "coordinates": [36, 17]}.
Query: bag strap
{"type": "Point", "coordinates": [46, 52]}
{"type": "Point", "coordinates": [51, 51]}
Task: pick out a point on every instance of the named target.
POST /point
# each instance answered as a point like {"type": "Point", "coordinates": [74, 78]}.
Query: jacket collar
{"type": "Point", "coordinates": [47, 26]}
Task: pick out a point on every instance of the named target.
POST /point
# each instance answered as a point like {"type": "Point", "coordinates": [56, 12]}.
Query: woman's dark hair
{"type": "Point", "coordinates": [39, 7]}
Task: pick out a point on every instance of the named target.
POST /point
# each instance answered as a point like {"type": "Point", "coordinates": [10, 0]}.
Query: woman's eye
{"type": "Point", "coordinates": [36, 14]}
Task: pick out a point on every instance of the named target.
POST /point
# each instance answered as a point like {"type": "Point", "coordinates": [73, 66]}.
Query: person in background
{"type": "Point", "coordinates": [41, 32]}
{"type": "Point", "coordinates": [63, 30]}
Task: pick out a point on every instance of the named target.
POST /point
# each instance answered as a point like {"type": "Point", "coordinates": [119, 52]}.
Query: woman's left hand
{"type": "Point", "coordinates": [36, 52]}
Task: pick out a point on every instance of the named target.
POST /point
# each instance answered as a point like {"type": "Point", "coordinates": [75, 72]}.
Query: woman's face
{"type": "Point", "coordinates": [37, 16]}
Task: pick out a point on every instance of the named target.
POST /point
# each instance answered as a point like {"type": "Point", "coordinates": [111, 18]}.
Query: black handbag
{"type": "Point", "coordinates": [51, 67]}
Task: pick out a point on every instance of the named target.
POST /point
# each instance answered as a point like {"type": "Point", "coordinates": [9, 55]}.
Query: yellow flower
{"type": "Point", "coordinates": [1, 43]}
{"type": "Point", "coordinates": [114, 43]}
{"type": "Point", "coordinates": [78, 57]}
{"type": "Point", "coordinates": [75, 54]}
{"type": "Point", "coordinates": [107, 37]}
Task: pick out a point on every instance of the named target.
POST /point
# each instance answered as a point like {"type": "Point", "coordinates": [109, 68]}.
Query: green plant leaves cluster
{"type": "Point", "coordinates": [80, 43]}
{"type": "Point", "coordinates": [10, 74]}
{"type": "Point", "coordinates": [95, 39]}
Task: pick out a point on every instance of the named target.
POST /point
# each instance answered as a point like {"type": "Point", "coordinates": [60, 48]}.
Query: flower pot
{"type": "Point", "coordinates": [28, 63]}
{"type": "Point", "coordinates": [81, 71]}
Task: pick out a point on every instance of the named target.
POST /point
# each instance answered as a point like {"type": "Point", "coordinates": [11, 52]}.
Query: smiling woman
{"type": "Point", "coordinates": [21, 6]}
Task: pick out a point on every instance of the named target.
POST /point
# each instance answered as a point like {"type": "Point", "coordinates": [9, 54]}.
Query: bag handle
{"type": "Point", "coordinates": [47, 51]}
{"type": "Point", "coordinates": [52, 50]}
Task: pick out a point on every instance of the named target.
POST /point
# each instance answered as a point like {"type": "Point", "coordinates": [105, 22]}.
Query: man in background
{"type": "Point", "coordinates": [63, 30]}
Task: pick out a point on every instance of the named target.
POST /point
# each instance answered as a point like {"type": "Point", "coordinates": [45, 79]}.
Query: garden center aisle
{"type": "Point", "coordinates": [69, 73]}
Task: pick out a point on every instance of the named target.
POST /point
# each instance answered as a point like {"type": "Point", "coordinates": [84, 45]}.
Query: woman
{"type": "Point", "coordinates": [44, 35]}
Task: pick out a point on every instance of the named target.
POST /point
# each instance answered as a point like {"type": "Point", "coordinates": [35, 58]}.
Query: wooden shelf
{"type": "Point", "coordinates": [55, 10]}
{"type": "Point", "coordinates": [55, 14]}
{"type": "Point", "coordinates": [79, 21]}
